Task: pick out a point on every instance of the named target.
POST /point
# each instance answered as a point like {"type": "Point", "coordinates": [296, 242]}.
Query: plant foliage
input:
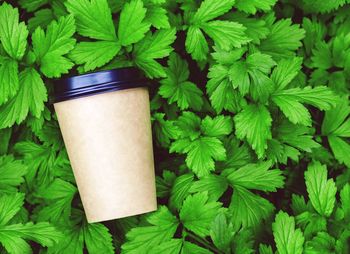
{"type": "Point", "coordinates": [250, 117]}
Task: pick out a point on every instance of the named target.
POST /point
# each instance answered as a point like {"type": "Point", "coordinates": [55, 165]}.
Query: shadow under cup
{"type": "Point", "coordinates": [105, 122]}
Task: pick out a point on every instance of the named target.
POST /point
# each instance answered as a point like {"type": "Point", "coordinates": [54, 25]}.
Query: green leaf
{"type": "Point", "coordinates": [58, 196]}
{"type": "Point", "coordinates": [201, 155]}
{"type": "Point", "coordinates": [189, 125]}
{"type": "Point", "coordinates": [31, 97]}
{"type": "Point", "coordinates": [256, 27]}
{"type": "Point", "coordinates": [321, 96]}
{"type": "Point", "coordinates": [241, 206]}
{"type": "Point", "coordinates": [170, 247]}
{"type": "Point", "coordinates": [298, 136]}
{"type": "Point", "coordinates": [9, 206]}
{"type": "Point", "coordinates": [176, 88]}
{"type": "Point", "coordinates": [322, 56]}
{"type": "Point", "coordinates": [72, 242]}
{"type": "Point", "coordinates": [283, 40]}
{"type": "Point", "coordinates": [288, 239]}
{"type": "Point", "coordinates": [157, 16]}
{"type": "Point", "coordinates": [253, 6]}
{"type": "Point", "coordinates": [217, 126]}
{"type": "Point", "coordinates": [165, 130]}
{"type": "Point", "coordinates": [321, 191]}
{"type": "Point", "coordinates": [32, 5]}
{"type": "Point", "coordinates": [189, 248]}
{"type": "Point", "coordinates": [144, 239]}
{"type": "Point", "coordinates": [226, 34]}
{"type": "Point", "coordinates": [41, 18]}
{"type": "Point", "coordinates": [13, 34]}
{"type": "Point", "coordinates": [210, 9]}
{"type": "Point", "coordinates": [286, 70]}
{"type": "Point", "coordinates": [254, 123]}
{"type": "Point", "coordinates": [197, 213]}
{"type": "Point", "coordinates": [154, 46]}
{"type": "Point", "coordinates": [180, 190]}
{"type": "Point", "coordinates": [94, 54]}
{"type": "Point", "coordinates": [296, 112]}
{"type": "Point", "coordinates": [196, 44]}
{"type": "Point", "coordinates": [42, 232]}
{"type": "Point", "coordinates": [214, 184]}
{"type": "Point", "coordinates": [50, 47]}
{"type": "Point", "coordinates": [12, 172]}
{"type": "Point", "coordinates": [98, 239]}
{"type": "Point", "coordinates": [222, 232]}
{"type": "Point", "coordinates": [265, 249]}
{"type": "Point", "coordinates": [336, 120]}
{"type": "Point", "coordinates": [131, 26]}
{"type": "Point", "coordinates": [93, 19]}
{"type": "Point", "coordinates": [9, 83]}
{"type": "Point", "coordinates": [321, 243]}
{"type": "Point", "coordinates": [257, 176]}
{"type": "Point", "coordinates": [336, 126]}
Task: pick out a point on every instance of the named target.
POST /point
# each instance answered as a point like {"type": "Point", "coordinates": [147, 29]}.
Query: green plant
{"type": "Point", "coordinates": [250, 123]}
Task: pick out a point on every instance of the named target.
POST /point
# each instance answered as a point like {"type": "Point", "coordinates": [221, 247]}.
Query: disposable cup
{"type": "Point", "coordinates": [105, 122]}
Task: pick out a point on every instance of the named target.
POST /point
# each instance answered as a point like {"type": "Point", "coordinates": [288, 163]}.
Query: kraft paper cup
{"type": "Point", "coordinates": [105, 122]}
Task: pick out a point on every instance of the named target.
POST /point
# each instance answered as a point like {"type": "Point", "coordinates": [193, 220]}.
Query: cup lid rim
{"type": "Point", "coordinates": [97, 82]}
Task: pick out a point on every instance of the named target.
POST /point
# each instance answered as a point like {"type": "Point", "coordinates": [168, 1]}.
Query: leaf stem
{"type": "Point", "coordinates": [205, 243]}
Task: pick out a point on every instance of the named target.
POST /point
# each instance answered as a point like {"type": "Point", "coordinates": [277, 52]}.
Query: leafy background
{"type": "Point", "coordinates": [250, 117]}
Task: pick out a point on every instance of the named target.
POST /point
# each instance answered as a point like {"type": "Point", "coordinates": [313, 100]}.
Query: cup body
{"type": "Point", "coordinates": [109, 143]}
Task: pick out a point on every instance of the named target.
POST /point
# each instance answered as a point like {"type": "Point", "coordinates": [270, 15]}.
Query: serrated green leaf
{"type": "Point", "coordinates": [288, 239]}
{"type": "Point", "coordinates": [170, 247]}
{"type": "Point", "coordinates": [197, 213]}
{"type": "Point", "coordinates": [9, 83]}
{"type": "Point", "coordinates": [201, 155]}
{"type": "Point", "coordinates": [32, 5]}
{"type": "Point", "coordinates": [283, 40]}
{"type": "Point", "coordinates": [13, 34]}
{"type": "Point", "coordinates": [146, 238]}
{"type": "Point", "coordinates": [93, 18]}
{"type": "Point", "coordinates": [131, 26]}
{"type": "Point", "coordinates": [320, 189]}
{"type": "Point", "coordinates": [189, 248]}
{"type": "Point", "coordinates": [196, 44]}
{"type": "Point", "coordinates": [286, 71]}
{"type": "Point", "coordinates": [157, 16]}
{"type": "Point", "coordinates": [222, 232]}
{"type": "Point", "coordinates": [42, 18]}
{"type": "Point", "coordinates": [50, 47]}
{"type": "Point", "coordinates": [9, 206]}
{"type": "Point", "coordinates": [58, 196]}
{"type": "Point", "coordinates": [14, 234]}
{"type": "Point", "coordinates": [241, 208]}
{"type": "Point", "coordinates": [180, 190]}
{"type": "Point", "coordinates": [94, 54]}
{"type": "Point", "coordinates": [98, 239]}
{"type": "Point", "coordinates": [253, 123]}
{"type": "Point", "coordinates": [257, 176]}
{"type": "Point", "coordinates": [253, 6]}
{"type": "Point", "coordinates": [226, 34]}
{"type": "Point", "coordinates": [30, 97]}
{"type": "Point", "coordinates": [176, 88]}
{"type": "Point", "coordinates": [210, 9]}
{"type": "Point", "coordinates": [214, 184]}
{"type": "Point", "coordinates": [154, 46]}
{"type": "Point", "coordinates": [217, 126]}
{"type": "Point", "coordinates": [321, 243]}
{"type": "Point", "coordinates": [12, 172]}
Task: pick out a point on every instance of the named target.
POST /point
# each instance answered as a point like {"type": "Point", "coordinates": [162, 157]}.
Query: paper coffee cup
{"type": "Point", "coordinates": [105, 122]}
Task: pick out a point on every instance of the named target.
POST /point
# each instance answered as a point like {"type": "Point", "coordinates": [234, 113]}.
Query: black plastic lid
{"type": "Point", "coordinates": [97, 82]}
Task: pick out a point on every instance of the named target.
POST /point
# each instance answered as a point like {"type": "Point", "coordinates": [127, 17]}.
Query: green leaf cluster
{"type": "Point", "coordinates": [250, 120]}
